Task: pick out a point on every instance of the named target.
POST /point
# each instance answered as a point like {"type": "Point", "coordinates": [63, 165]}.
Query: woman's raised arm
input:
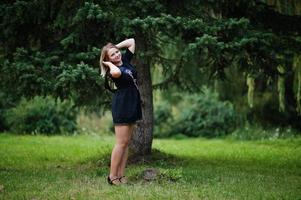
{"type": "Point", "coordinates": [114, 70]}
{"type": "Point", "coordinates": [128, 43]}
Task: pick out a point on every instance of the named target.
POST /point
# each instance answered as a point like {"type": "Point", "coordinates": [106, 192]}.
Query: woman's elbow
{"type": "Point", "coordinates": [116, 74]}
{"type": "Point", "coordinates": [132, 40]}
{"type": "Point", "coordinates": [132, 45]}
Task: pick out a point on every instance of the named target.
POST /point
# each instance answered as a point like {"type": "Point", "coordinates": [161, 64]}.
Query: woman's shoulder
{"type": "Point", "coordinates": [127, 56]}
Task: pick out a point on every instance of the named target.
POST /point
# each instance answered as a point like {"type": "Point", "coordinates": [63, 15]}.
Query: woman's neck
{"type": "Point", "coordinates": [118, 64]}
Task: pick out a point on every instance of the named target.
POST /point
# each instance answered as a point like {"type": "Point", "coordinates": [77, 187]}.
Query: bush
{"type": "Point", "coordinates": [163, 120]}
{"type": "Point", "coordinates": [6, 102]}
{"type": "Point", "coordinates": [2, 112]}
{"type": "Point", "coordinates": [44, 115]}
{"type": "Point", "coordinates": [205, 115]}
{"type": "Point", "coordinates": [94, 123]}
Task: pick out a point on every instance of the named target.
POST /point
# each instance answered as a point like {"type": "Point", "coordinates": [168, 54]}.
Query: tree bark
{"type": "Point", "coordinates": [141, 143]}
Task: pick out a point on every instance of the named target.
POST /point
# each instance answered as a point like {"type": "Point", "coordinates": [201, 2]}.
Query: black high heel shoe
{"type": "Point", "coordinates": [110, 181]}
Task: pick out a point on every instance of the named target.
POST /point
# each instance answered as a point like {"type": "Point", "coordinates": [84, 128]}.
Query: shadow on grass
{"type": "Point", "coordinates": [166, 160]}
{"type": "Point", "coordinates": [175, 168]}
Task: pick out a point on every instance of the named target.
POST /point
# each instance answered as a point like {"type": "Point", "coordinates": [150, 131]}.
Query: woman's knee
{"type": "Point", "coordinates": [123, 144]}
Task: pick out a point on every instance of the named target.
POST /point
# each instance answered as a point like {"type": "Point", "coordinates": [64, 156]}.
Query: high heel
{"type": "Point", "coordinates": [110, 181]}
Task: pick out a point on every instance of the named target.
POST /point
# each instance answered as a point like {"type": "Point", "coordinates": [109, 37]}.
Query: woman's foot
{"type": "Point", "coordinates": [114, 180]}
{"type": "Point", "coordinates": [123, 179]}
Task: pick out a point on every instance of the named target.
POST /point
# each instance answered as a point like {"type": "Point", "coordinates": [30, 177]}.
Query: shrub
{"type": "Point", "coordinates": [6, 101]}
{"type": "Point", "coordinates": [44, 115]}
{"type": "Point", "coordinates": [205, 115]}
{"type": "Point", "coordinates": [163, 120]}
{"type": "Point", "coordinates": [2, 113]}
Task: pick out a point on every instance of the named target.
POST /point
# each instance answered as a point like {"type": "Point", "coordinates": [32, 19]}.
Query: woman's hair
{"type": "Point", "coordinates": [104, 57]}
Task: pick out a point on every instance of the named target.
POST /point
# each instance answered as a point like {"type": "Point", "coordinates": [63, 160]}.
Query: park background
{"type": "Point", "coordinates": [221, 90]}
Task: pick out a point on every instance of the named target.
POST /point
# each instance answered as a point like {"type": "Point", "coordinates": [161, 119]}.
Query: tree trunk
{"type": "Point", "coordinates": [141, 142]}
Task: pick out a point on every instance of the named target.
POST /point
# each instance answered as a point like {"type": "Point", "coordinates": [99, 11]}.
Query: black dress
{"type": "Point", "coordinates": [126, 101]}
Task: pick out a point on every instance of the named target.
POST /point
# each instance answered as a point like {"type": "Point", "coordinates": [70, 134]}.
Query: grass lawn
{"type": "Point", "coordinates": [75, 167]}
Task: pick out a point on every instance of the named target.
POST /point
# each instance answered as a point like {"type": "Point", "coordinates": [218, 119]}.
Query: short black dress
{"type": "Point", "coordinates": [126, 100]}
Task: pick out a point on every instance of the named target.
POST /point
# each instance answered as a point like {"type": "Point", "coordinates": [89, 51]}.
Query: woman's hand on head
{"type": "Point", "coordinates": [107, 63]}
{"type": "Point", "coordinates": [115, 71]}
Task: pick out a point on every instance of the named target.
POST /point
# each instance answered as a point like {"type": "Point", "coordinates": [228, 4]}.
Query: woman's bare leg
{"type": "Point", "coordinates": [122, 133]}
{"type": "Point", "coordinates": [121, 169]}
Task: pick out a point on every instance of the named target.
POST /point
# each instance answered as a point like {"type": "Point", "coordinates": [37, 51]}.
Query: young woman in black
{"type": "Point", "coordinates": [126, 108]}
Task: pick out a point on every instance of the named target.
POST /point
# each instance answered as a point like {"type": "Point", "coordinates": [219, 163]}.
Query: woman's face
{"type": "Point", "coordinates": [114, 55]}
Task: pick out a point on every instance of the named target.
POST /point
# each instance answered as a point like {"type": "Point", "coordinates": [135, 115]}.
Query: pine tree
{"type": "Point", "coordinates": [53, 47]}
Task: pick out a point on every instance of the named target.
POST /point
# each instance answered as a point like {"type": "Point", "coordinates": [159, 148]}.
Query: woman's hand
{"type": "Point", "coordinates": [114, 71]}
{"type": "Point", "coordinates": [107, 63]}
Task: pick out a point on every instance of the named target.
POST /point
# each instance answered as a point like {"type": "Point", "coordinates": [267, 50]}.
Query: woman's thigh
{"type": "Point", "coordinates": [123, 133]}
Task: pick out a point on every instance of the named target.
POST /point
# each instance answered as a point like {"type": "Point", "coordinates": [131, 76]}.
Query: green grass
{"type": "Point", "coordinates": [75, 167]}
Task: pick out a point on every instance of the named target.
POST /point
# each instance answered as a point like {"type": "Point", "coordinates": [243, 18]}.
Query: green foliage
{"type": "Point", "coordinates": [297, 81]}
{"type": "Point", "coordinates": [163, 119]}
{"type": "Point", "coordinates": [3, 105]}
{"type": "Point", "coordinates": [47, 50]}
{"type": "Point", "coordinates": [42, 115]}
{"type": "Point", "coordinates": [94, 123]}
{"type": "Point", "coordinates": [52, 47]}
{"type": "Point", "coordinates": [36, 73]}
{"type": "Point", "coordinates": [195, 115]}
{"type": "Point", "coordinates": [205, 115]}
{"type": "Point", "coordinates": [73, 82]}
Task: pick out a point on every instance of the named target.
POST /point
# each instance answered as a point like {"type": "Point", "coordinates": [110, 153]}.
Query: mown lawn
{"type": "Point", "coordinates": [75, 167]}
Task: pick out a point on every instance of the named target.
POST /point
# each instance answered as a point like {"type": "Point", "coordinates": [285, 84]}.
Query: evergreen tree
{"type": "Point", "coordinates": [52, 47]}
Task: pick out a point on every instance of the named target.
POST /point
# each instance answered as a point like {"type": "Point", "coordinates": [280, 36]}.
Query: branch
{"type": "Point", "coordinates": [172, 77]}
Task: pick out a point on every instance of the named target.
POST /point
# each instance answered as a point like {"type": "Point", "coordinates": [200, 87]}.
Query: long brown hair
{"type": "Point", "coordinates": [104, 57]}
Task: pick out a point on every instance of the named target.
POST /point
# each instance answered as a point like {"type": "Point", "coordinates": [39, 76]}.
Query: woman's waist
{"type": "Point", "coordinates": [126, 87]}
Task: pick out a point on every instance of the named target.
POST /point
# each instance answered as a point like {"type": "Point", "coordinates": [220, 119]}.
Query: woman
{"type": "Point", "coordinates": [126, 109]}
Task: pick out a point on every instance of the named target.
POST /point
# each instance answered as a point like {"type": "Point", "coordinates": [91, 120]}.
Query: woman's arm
{"type": "Point", "coordinates": [128, 43]}
{"type": "Point", "coordinates": [114, 70]}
